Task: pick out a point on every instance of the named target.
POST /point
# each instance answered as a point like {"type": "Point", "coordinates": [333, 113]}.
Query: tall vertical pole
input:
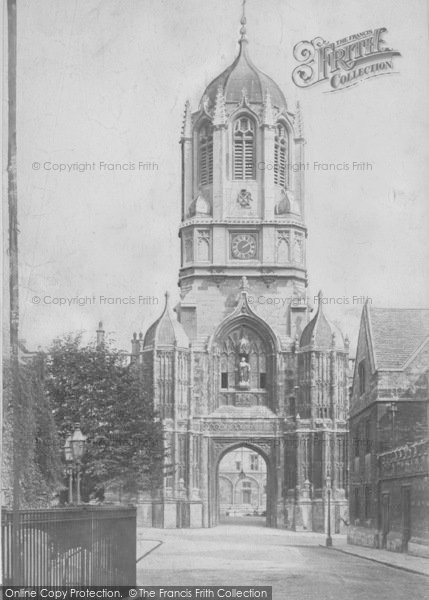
{"type": "Point", "coordinates": [328, 486]}
{"type": "Point", "coordinates": [77, 483]}
{"type": "Point", "coordinates": [12, 185]}
{"type": "Point", "coordinates": [70, 473]}
{"type": "Point", "coordinates": [329, 538]}
{"type": "Point", "coordinates": [13, 279]}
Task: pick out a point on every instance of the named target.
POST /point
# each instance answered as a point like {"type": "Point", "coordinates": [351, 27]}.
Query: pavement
{"type": "Point", "coordinates": [296, 564]}
{"type": "Point", "coordinates": [405, 562]}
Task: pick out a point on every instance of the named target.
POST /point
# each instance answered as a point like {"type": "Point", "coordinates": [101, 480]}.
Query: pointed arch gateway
{"type": "Point", "coordinates": [267, 450]}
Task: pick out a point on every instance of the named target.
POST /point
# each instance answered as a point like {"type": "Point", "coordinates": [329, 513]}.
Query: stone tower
{"type": "Point", "coordinates": [242, 203]}
{"type": "Point", "coordinates": [237, 364]}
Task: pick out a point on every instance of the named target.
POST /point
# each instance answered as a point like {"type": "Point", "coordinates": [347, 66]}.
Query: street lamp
{"type": "Point", "coordinates": [328, 489]}
{"type": "Point", "coordinates": [77, 443]}
{"type": "Point", "coordinates": [74, 449]}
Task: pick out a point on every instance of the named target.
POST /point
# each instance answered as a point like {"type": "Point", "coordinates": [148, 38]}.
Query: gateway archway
{"type": "Point", "coordinates": [244, 490]}
{"type": "Point", "coordinates": [242, 487]}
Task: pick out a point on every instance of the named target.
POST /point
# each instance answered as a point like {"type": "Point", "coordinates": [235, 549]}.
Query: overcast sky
{"type": "Point", "coordinates": [107, 80]}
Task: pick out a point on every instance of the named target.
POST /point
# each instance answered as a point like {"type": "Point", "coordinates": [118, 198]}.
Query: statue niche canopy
{"type": "Point", "coordinates": [242, 365]}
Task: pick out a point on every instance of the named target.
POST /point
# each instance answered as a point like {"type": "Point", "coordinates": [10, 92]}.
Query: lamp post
{"type": "Point", "coordinates": [328, 489]}
{"type": "Point", "coordinates": [69, 466]}
{"type": "Point", "coordinates": [74, 449]}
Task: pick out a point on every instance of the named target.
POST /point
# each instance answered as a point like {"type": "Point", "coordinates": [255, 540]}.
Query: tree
{"type": "Point", "coordinates": [93, 386]}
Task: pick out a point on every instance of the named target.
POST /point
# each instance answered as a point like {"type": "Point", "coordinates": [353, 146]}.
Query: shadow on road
{"type": "Point", "coordinates": [246, 521]}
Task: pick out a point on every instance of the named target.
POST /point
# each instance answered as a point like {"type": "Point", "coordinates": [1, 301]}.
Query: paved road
{"type": "Point", "coordinates": [294, 564]}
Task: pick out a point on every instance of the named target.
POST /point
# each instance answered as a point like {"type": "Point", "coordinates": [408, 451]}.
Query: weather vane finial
{"type": "Point", "coordinates": [243, 21]}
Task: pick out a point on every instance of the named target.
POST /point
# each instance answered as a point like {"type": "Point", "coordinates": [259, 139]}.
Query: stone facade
{"type": "Point", "coordinates": [404, 494]}
{"type": "Point", "coordinates": [241, 365]}
{"type": "Point", "coordinates": [388, 431]}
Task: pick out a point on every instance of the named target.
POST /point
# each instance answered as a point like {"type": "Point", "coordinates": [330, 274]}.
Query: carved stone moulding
{"type": "Point", "coordinates": [222, 446]}
{"type": "Point", "coordinates": [245, 426]}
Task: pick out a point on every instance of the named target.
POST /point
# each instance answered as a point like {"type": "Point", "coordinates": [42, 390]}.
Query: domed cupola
{"type": "Point", "coordinates": [243, 78]}
{"type": "Point", "coordinates": [166, 331]}
{"type": "Point", "coordinates": [320, 333]}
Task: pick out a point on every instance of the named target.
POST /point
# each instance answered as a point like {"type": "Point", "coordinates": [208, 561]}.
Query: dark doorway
{"type": "Point", "coordinates": [385, 518]}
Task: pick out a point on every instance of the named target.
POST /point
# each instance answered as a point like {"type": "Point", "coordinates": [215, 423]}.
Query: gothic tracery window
{"type": "Point", "coordinates": [283, 247]}
{"type": "Point", "coordinates": [205, 154]}
{"type": "Point", "coordinates": [203, 245]}
{"type": "Point", "coordinates": [280, 155]}
{"type": "Point", "coordinates": [298, 250]}
{"type": "Point", "coordinates": [244, 149]}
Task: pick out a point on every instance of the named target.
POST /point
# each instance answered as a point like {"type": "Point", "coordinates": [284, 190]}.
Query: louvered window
{"type": "Point", "coordinates": [205, 153]}
{"type": "Point", "coordinates": [244, 149]}
{"type": "Point", "coordinates": [280, 156]}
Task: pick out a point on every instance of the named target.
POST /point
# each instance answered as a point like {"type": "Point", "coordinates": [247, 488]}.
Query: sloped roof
{"type": "Point", "coordinates": [396, 334]}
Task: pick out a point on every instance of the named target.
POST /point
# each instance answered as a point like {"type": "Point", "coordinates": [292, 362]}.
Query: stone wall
{"type": "Point", "coordinates": [363, 536]}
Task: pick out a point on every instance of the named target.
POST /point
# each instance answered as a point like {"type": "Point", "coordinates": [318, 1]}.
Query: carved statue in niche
{"type": "Point", "coordinates": [244, 370]}
{"type": "Point", "coordinates": [243, 349]}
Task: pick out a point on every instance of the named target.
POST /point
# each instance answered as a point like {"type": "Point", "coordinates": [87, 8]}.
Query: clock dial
{"type": "Point", "coordinates": [243, 246]}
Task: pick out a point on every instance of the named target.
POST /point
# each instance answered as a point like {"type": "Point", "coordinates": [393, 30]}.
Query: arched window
{"type": "Point", "coordinates": [244, 148]}
{"type": "Point", "coordinates": [205, 154]}
{"type": "Point", "coordinates": [283, 247]}
{"type": "Point", "coordinates": [280, 155]}
{"type": "Point", "coordinates": [298, 250]}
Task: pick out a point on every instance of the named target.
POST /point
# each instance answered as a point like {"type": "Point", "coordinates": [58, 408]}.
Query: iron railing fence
{"type": "Point", "coordinates": [85, 545]}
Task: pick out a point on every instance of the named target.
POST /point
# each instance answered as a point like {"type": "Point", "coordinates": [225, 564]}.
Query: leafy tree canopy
{"type": "Point", "coordinates": [95, 387]}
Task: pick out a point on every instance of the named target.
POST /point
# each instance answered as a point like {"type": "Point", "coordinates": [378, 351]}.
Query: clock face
{"type": "Point", "coordinates": [243, 245]}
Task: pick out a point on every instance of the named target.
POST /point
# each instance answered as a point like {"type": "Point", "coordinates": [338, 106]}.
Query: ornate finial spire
{"type": "Point", "coordinates": [299, 121]}
{"type": "Point", "coordinates": [134, 344]}
{"type": "Point", "coordinates": [219, 117]}
{"type": "Point", "coordinates": [268, 114]}
{"type": "Point", "coordinates": [347, 343]}
{"type": "Point", "coordinates": [243, 21]}
{"type": "Point", "coordinates": [319, 301]}
{"type": "Point", "coordinates": [187, 121]}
